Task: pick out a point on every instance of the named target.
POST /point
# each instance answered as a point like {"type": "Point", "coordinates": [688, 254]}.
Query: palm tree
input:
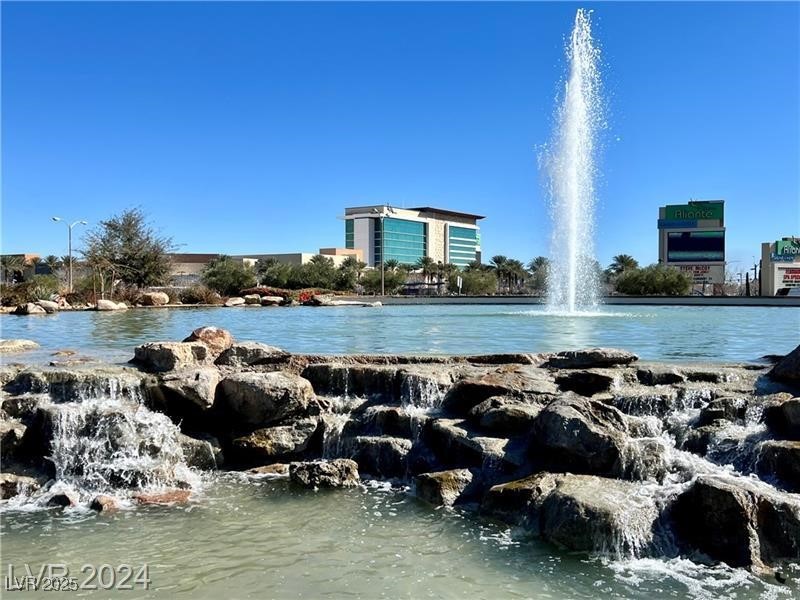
{"type": "Point", "coordinates": [428, 267]}
{"type": "Point", "coordinates": [622, 263]}
{"type": "Point", "coordinates": [474, 266]}
{"type": "Point", "coordinates": [391, 264]}
{"type": "Point", "coordinates": [540, 262]}
{"type": "Point", "coordinates": [516, 273]}
{"type": "Point", "coordinates": [53, 263]}
{"type": "Point", "coordinates": [501, 267]}
{"type": "Point", "coordinates": [12, 266]}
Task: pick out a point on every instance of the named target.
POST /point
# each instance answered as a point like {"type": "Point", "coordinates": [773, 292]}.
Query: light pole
{"type": "Point", "coordinates": [382, 215]}
{"type": "Point", "coordinates": [69, 227]}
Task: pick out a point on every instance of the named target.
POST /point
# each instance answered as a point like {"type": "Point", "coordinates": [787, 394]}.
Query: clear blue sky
{"type": "Point", "coordinates": [248, 127]}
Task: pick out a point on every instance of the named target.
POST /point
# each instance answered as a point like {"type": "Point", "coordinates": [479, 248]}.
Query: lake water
{"type": "Point", "coordinates": [266, 539]}
{"type": "Point", "coordinates": [678, 333]}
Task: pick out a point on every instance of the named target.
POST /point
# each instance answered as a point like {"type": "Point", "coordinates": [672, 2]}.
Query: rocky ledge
{"type": "Point", "coordinates": [592, 450]}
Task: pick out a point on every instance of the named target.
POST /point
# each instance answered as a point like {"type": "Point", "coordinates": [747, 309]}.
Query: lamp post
{"type": "Point", "coordinates": [382, 215]}
{"type": "Point", "coordinates": [69, 227]}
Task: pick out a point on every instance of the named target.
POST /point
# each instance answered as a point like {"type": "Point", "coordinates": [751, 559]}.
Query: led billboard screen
{"type": "Point", "coordinates": [695, 246]}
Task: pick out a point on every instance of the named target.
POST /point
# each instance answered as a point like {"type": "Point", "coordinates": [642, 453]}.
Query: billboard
{"type": "Point", "coordinates": [704, 273]}
{"type": "Point", "coordinates": [789, 277]}
{"type": "Point", "coordinates": [696, 246]}
{"type": "Point", "coordinates": [694, 211]}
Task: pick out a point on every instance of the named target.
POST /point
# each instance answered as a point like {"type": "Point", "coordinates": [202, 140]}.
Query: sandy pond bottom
{"type": "Point", "coordinates": [261, 538]}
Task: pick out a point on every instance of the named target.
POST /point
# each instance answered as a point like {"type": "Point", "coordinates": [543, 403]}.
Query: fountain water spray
{"type": "Point", "coordinates": [570, 166]}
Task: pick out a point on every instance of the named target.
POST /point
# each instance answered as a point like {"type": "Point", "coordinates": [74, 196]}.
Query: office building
{"type": "Point", "coordinates": [780, 266]}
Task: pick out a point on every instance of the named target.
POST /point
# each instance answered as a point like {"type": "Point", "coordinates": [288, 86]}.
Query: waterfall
{"type": "Point", "coordinates": [569, 161]}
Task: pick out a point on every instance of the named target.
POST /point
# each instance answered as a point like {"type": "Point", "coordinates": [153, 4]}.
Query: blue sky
{"type": "Point", "coordinates": [248, 127]}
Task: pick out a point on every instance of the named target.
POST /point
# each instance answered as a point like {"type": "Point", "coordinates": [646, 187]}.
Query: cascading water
{"type": "Point", "coordinates": [569, 162]}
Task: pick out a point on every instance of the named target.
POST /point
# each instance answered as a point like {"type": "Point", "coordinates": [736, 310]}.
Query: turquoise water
{"type": "Point", "coordinates": [654, 332]}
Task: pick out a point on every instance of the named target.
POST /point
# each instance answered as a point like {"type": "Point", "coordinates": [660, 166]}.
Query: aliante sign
{"type": "Point", "coordinates": [694, 211]}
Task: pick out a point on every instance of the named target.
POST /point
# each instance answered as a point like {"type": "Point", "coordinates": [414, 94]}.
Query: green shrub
{"type": "Point", "coordinates": [199, 294]}
{"type": "Point", "coordinates": [228, 276]}
{"type": "Point", "coordinates": [656, 280]}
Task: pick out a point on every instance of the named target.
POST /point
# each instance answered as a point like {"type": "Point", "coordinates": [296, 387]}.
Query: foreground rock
{"type": "Point", "coordinates": [341, 472]}
{"type": "Point", "coordinates": [168, 356]}
{"type": "Point", "coordinates": [259, 399]}
{"type": "Point", "coordinates": [443, 488]}
{"type": "Point", "coordinates": [217, 339]}
{"type": "Point", "coordinates": [788, 368]}
{"type": "Point", "coordinates": [783, 417]}
{"type": "Point", "coordinates": [249, 354]}
{"type": "Point", "coordinates": [743, 523]}
{"type": "Point", "coordinates": [591, 358]}
{"type": "Point", "coordinates": [273, 443]}
{"type": "Point", "coordinates": [14, 346]}
{"type": "Point", "coordinates": [187, 389]}
{"type": "Point", "coordinates": [13, 485]}
{"type": "Point", "coordinates": [167, 497]}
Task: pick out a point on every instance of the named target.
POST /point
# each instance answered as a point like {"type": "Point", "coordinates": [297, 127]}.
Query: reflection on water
{"type": "Point", "coordinates": [666, 332]}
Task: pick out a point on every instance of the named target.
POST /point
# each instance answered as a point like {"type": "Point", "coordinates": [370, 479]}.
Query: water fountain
{"type": "Point", "coordinates": [569, 162]}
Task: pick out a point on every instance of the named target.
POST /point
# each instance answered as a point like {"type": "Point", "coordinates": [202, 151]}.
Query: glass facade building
{"type": "Point", "coordinates": [403, 241]}
{"type": "Point", "coordinates": [462, 245]}
{"type": "Point", "coordinates": [349, 234]}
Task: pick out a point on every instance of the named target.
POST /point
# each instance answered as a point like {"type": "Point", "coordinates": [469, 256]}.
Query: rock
{"type": "Point", "coordinates": [724, 408]}
{"type": "Point", "coordinates": [443, 488]}
{"type": "Point", "coordinates": [381, 456]}
{"type": "Point", "coordinates": [341, 472]}
{"type": "Point", "coordinates": [169, 356]}
{"type": "Point", "coordinates": [581, 435]}
{"type": "Point", "coordinates": [386, 420]}
{"type": "Point", "coordinates": [355, 380]}
{"type": "Point", "coordinates": [252, 299]}
{"type": "Point", "coordinates": [457, 446]}
{"type": "Point", "coordinates": [48, 305]}
{"type": "Point", "coordinates": [235, 301]}
{"type": "Point", "coordinates": [645, 459]}
{"type": "Point", "coordinates": [645, 400]}
{"type": "Point", "coordinates": [13, 485]}
{"type": "Point", "coordinates": [11, 433]}
{"type": "Point", "coordinates": [104, 503]}
{"type": "Point", "coordinates": [30, 309]}
{"type": "Point", "coordinates": [248, 354]}
{"type": "Point", "coordinates": [271, 443]}
{"type": "Point", "coordinates": [217, 339]}
{"type": "Point", "coordinates": [167, 497]}
{"type": "Point", "coordinates": [197, 387]}
{"type": "Point", "coordinates": [780, 459]}
{"type": "Point", "coordinates": [782, 416]}
{"type": "Point", "coordinates": [258, 399]}
{"type": "Point", "coordinates": [659, 375]}
{"type": "Point", "coordinates": [501, 414]}
{"type": "Point", "coordinates": [518, 502]}
{"type": "Point", "coordinates": [14, 346]}
{"type": "Point", "coordinates": [201, 452]}
{"type": "Point", "coordinates": [591, 358]}
{"type": "Point", "coordinates": [154, 299]}
{"type": "Point", "coordinates": [63, 499]}
{"type": "Point", "coordinates": [517, 382]}
{"type": "Point", "coordinates": [271, 300]}
{"type": "Point", "coordinates": [788, 368]}
{"type": "Point", "coordinates": [107, 305]}
{"type": "Point", "coordinates": [275, 470]}
{"type": "Point", "coordinates": [738, 521]}
{"type": "Point", "coordinates": [585, 383]}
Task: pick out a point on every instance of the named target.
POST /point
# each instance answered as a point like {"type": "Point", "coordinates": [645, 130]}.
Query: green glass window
{"type": "Point", "coordinates": [349, 235]}
{"type": "Point", "coordinates": [403, 241]}
{"type": "Point", "coordinates": [462, 245]}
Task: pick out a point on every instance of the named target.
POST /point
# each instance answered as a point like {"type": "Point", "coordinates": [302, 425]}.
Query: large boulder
{"type": "Point", "coordinates": [275, 443]}
{"type": "Point", "coordinates": [519, 502]}
{"type": "Point", "coordinates": [782, 416]}
{"type": "Point", "coordinates": [259, 399]}
{"type": "Point", "coordinates": [154, 299]}
{"type": "Point", "coordinates": [13, 485]}
{"type": "Point", "coordinates": [169, 356]}
{"type": "Point", "coordinates": [504, 415]}
{"type": "Point", "coordinates": [355, 380]}
{"type": "Point", "coordinates": [581, 435]}
{"type": "Point", "coordinates": [788, 368]}
{"type": "Point", "coordinates": [341, 472]}
{"type": "Point", "coordinates": [381, 456]}
{"type": "Point", "coordinates": [217, 339]}
{"type": "Point", "coordinates": [30, 309]}
{"type": "Point", "coordinates": [252, 299]}
{"type": "Point", "coordinates": [780, 459]}
{"type": "Point", "coordinates": [659, 375]}
{"type": "Point", "coordinates": [271, 300]}
{"type": "Point", "coordinates": [456, 445]}
{"type": "Point", "coordinates": [738, 521]}
{"type": "Point", "coordinates": [248, 354]}
{"type": "Point", "coordinates": [109, 305]}
{"type": "Point", "coordinates": [235, 301]}
{"type": "Point", "coordinates": [443, 488]}
{"type": "Point", "coordinates": [591, 358]}
{"type": "Point", "coordinates": [586, 382]}
{"type": "Point", "coordinates": [11, 434]}
{"type": "Point", "coordinates": [201, 452]}
{"type": "Point", "coordinates": [48, 305]}
{"type": "Point", "coordinates": [14, 346]}
{"type": "Point", "coordinates": [517, 382]}
{"type": "Point", "coordinates": [195, 388]}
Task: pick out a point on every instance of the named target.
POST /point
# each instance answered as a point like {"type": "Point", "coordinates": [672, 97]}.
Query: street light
{"type": "Point", "coordinates": [382, 215]}
{"type": "Point", "coordinates": [70, 226]}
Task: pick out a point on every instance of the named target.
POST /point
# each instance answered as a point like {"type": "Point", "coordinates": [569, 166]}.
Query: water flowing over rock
{"type": "Point", "coordinates": [259, 399]}
{"type": "Point", "coordinates": [281, 442]}
{"type": "Point", "coordinates": [217, 339]}
{"type": "Point", "coordinates": [740, 522]}
{"type": "Point", "coordinates": [382, 456]}
{"type": "Point", "coordinates": [341, 472]}
{"type": "Point", "coordinates": [788, 368]}
{"type": "Point", "coordinates": [201, 452]}
{"type": "Point", "coordinates": [504, 415]}
{"type": "Point", "coordinates": [168, 356]}
{"type": "Point", "coordinates": [12, 485]}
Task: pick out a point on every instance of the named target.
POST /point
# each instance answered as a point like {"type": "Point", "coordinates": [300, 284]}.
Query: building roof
{"type": "Point", "coordinates": [449, 213]}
